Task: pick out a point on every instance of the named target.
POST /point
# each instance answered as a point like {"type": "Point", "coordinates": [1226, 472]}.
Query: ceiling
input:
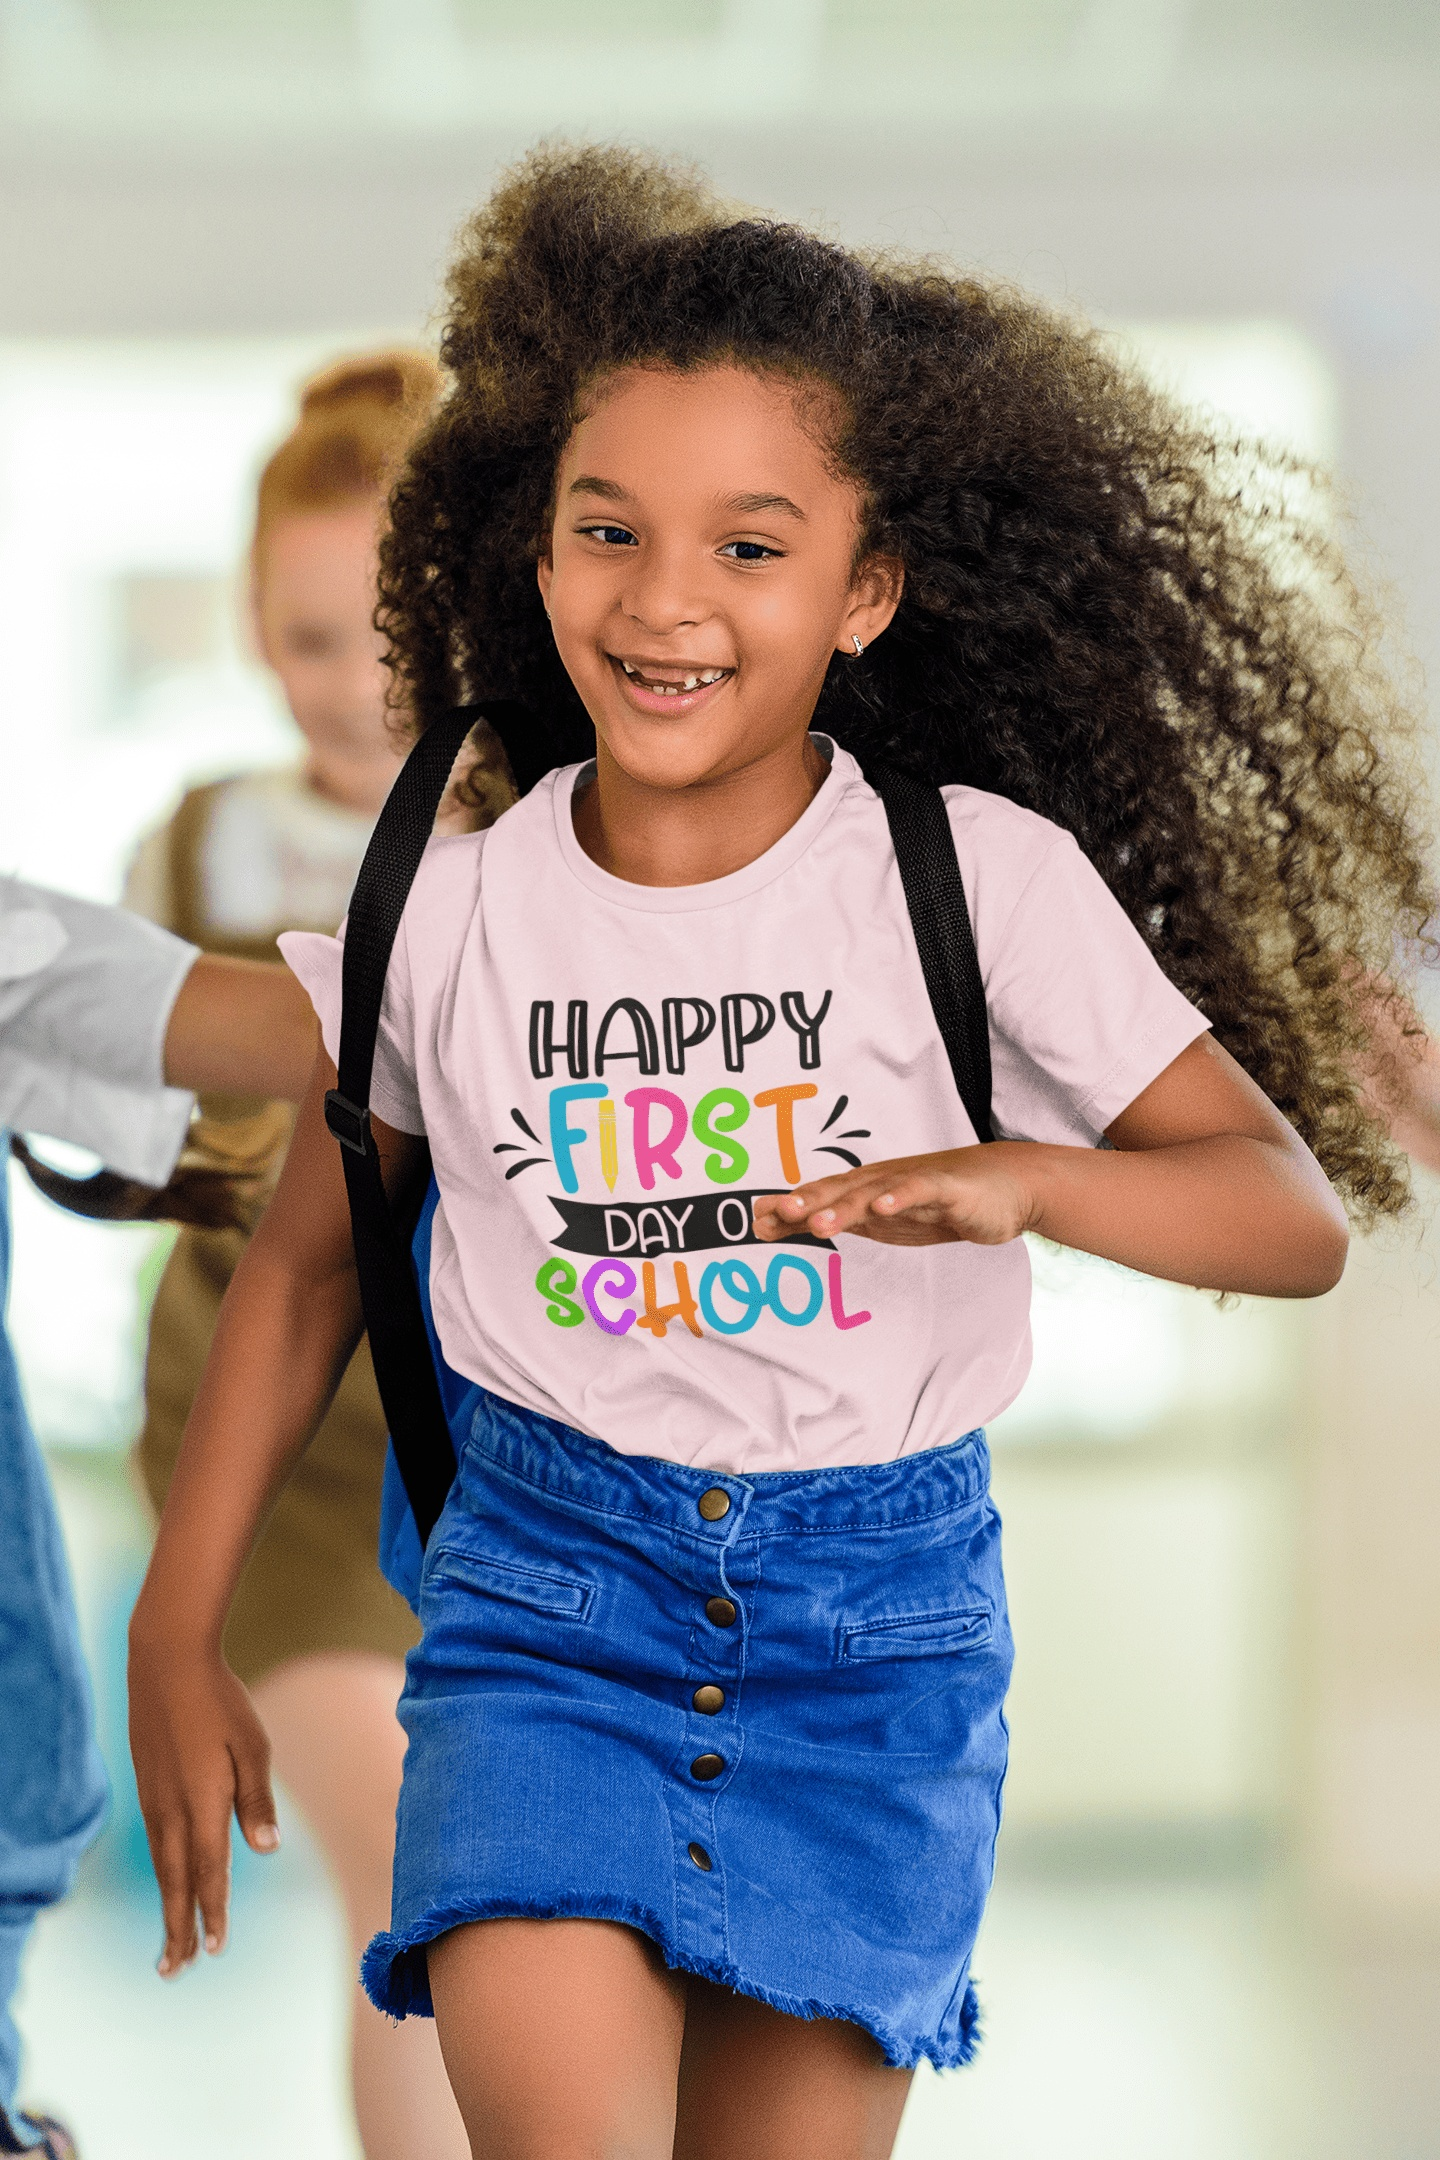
{"type": "Point", "coordinates": [82, 77]}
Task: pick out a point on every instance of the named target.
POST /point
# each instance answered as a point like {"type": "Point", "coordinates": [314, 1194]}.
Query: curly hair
{"type": "Point", "coordinates": [1111, 615]}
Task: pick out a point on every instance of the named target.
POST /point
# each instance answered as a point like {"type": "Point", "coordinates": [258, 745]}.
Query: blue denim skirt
{"type": "Point", "coordinates": [757, 1718]}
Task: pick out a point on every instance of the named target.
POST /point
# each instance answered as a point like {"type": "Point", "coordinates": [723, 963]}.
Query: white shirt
{"type": "Point", "coordinates": [86, 994]}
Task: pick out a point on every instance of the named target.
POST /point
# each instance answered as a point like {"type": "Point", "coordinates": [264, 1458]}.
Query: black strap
{"type": "Point", "coordinates": [394, 1317]}
{"type": "Point", "coordinates": [930, 873]}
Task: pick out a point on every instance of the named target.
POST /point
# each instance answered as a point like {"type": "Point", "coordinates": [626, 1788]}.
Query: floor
{"type": "Point", "coordinates": [1179, 2019]}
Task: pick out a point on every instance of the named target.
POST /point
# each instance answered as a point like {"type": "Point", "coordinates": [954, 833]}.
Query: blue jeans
{"type": "Point", "coordinates": [52, 1782]}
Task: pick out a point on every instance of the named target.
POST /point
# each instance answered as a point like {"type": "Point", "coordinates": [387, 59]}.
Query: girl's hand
{"type": "Point", "coordinates": [200, 1755]}
{"type": "Point", "coordinates": [978, 1194]}
{"type": "Point", "coordinates": [287, 1330]}
{"type": "Point", "coordinates": [1203, 1182]}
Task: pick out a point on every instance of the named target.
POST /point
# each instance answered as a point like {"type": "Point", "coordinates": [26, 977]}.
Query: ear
{"type": "Point", "coordinates": [874, 597]}
{"type": "Point", "coordinates": [545, 575]}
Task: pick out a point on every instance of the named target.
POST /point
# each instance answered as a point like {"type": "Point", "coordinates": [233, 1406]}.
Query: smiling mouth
{"type": "Point", "coordinates": [671, 681]}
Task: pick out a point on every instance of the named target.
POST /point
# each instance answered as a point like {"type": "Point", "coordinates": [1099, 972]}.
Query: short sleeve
{"type": "Point", "coordinates": [86, 994]}
{"type": "Point", "coordinates": [317, 962]}
{"type": "Point", "coordinates": [1082, 1018]}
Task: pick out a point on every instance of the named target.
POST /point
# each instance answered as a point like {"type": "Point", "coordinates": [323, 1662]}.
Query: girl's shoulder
{"type": "Point", "coordinates": [1032, 890]}
{"type": "Point", "coordinates": [520, 836]}
{"type": "Point", "coordinates": [1004, 847]}
{"type": "Point", "coordinates": [449, 867]}
{"type": "Point", "coordinates": [988, 823]}
{"type": "Point", "coordinates": [449, 881]}
{"type": "Point", "coordinates": [989, 829]}
{"type": "Point", "coordinates": [991, 832]}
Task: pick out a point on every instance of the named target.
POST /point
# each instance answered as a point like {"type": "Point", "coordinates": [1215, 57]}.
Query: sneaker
{"type": "Point", "coordinates": [56, 2143]}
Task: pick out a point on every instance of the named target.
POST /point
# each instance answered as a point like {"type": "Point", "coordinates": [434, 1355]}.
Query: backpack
{"type": "Point", "coordinates": [401, 1344]}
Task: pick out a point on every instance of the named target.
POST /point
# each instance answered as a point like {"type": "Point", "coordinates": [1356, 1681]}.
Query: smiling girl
{"type": "Point", "coordinates": [705, 1728]}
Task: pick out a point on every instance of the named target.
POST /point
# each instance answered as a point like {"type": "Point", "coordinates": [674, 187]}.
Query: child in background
{"type": "Point", "coordinates": [706, 1732]}
{"type": "Point", "coordinates": [315, 1630]}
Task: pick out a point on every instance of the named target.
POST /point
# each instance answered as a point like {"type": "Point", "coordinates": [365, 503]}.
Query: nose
{"type": "Point", "coordinates": [662, 594]}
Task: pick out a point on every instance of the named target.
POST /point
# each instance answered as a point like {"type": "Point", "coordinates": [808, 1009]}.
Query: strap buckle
{"type": "Point", "coordinates": [348, 1122]}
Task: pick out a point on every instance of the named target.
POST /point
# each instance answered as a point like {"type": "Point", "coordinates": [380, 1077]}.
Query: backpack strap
{"type": "Point", "coordinates": [389, 1294]}
{"type": "Point", "coordinates": [394, 1315]}
{"type": "Point", "coordinates": [930, 873]}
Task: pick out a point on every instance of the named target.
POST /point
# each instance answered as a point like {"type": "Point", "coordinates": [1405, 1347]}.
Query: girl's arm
{"type": "Point", "coordinates": [1204, 1183]}
{"type": "Point", "coordinates": [288, 1327]}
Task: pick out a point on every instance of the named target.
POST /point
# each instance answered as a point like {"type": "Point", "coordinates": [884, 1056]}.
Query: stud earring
{"type": "Point", "coordinates": [857, 643]}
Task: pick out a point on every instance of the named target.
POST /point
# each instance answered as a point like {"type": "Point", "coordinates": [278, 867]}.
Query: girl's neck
{"type": "Point", "coordinates": [690, 836]}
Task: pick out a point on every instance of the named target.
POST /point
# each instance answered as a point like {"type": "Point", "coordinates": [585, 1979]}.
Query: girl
{"type": "Point", "coordinates": [314, 1629]}
{"type": "Point", "coordinates": [706, 1735]}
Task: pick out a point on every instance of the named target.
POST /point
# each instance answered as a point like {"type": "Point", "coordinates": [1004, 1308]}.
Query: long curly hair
{"type": "Point", "coordinates": [1134, 626]}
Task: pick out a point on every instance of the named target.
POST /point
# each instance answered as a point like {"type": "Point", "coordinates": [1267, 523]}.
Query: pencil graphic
{"type": "Point", "coordinates": [609, 1158]}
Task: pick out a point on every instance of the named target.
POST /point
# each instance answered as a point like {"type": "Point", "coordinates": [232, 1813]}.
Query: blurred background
{"type": "Point", "coordinates": [1216, 1927]}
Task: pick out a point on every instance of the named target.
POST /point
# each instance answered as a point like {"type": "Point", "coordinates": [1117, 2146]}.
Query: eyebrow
{"type": "Point", "coordinates": [611, 491]}
{"type": "Point", "coordinates": [754, 503]}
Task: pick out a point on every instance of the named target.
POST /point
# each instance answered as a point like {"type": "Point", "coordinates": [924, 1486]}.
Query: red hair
{"type": "Point", "coordinates": [358, 418]}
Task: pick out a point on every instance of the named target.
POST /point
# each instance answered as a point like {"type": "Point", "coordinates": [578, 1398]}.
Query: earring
{"type": "Point", "coordinates": [857, 643]}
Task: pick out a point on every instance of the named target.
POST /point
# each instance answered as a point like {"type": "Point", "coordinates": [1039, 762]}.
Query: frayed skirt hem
{"type": "Point", "coordinates": [393, 1973]}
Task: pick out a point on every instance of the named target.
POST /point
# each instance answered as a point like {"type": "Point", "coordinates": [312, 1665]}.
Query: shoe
{"type": "Point", "coordinates": [56, 2143]}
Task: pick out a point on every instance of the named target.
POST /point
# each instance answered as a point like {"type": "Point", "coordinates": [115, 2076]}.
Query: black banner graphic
{"type": "Point", "coordinates": [692, 1222]}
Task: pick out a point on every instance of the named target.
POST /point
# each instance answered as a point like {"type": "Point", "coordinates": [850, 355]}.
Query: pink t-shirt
{"type": "Point", "coordinates": [607, 1073]}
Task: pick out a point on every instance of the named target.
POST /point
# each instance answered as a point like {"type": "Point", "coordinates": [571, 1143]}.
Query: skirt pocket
{"type": "Point", "coordinates": [571, 1597]}
{"type": "Point", "coordinates": [912, 1635]}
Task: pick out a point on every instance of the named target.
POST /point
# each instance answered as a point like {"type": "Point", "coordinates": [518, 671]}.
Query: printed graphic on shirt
{"type": "Point", "coordinates": [706, 1149]}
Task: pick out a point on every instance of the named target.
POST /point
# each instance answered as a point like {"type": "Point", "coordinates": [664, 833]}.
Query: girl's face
{"type": "Point", "coordinates": [701, 571]}
{"type": "Point", "coordinates": [314, 599]}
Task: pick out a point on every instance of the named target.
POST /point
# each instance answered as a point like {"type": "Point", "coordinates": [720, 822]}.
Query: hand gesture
{"type": "Point", "coordinates": [977, 1194]}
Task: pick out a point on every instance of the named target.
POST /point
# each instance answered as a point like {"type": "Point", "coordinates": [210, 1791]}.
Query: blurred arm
{"type": "Point", "coordinates": [241, 1027]}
